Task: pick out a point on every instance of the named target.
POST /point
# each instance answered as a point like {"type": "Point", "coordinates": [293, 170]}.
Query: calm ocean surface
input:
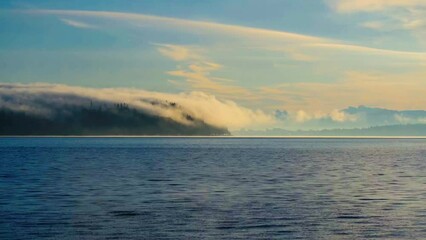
{"type": "Point", "coordinates": [212, 188]}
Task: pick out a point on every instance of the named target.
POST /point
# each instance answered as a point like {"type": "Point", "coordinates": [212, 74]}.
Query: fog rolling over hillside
{"type": "Point", "coordinates": [47, 113]}
{"type": "Point", "coordinates": [29, 108]}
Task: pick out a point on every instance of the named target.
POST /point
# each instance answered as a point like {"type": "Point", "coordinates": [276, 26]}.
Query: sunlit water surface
{"type": "Point", "coordinates": [209, 188]}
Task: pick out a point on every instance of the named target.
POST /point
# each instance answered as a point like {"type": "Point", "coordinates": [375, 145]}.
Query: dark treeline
{"type": "Point", "coordinates": [119, 119]}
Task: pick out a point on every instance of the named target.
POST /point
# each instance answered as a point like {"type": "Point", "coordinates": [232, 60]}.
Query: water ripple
{"type": "Point", "coordinates": [159, 188]}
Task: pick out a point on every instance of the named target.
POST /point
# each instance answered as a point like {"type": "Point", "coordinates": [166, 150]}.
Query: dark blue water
{"type": "Point", "coordinates": [192, 188]}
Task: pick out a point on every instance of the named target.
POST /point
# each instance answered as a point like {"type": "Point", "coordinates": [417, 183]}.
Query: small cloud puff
{"type": "Point", "coordinates": [178, 52]}
{"type": "Point", "coordinates": [335, 115]}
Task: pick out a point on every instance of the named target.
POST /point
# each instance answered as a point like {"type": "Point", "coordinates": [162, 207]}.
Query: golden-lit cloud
{"type": "Point", "coordinates": [307, 101]}
{"type": "Point", "coordinates": [372, 5]}
{"type": "Point", "coordinates": [335, 115]}
{"type": "Point", "coordinates": [196, 72]}
{"type": "Point", "coordinates": [178, 52]}
{"type": "Point", "coordinates": [198, 78]}
{"type": "Point", "coordinates": [340, 116]}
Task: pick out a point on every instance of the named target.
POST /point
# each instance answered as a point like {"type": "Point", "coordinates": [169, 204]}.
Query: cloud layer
{"type": "Point", "coordinates": [309, 78]}
{"type": "Point", "coordinates": [295, 44]}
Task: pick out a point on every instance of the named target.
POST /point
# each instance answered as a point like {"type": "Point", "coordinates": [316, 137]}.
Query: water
{"type": "Point", "coordinates": [208, 188]}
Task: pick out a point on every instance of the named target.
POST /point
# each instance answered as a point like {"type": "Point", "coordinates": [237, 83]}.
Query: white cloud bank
{"type": "Point", "coordinates": [39, 98]}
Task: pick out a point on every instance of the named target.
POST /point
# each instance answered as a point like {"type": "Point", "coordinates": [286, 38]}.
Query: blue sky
{"type": "Point", "coordinates": [309, 58]}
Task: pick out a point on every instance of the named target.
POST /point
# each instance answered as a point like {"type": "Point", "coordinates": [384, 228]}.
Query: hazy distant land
{"type": "Point", "coordinates": [390, 130]}
{"type": "Point", "coordinates": [120, 119]}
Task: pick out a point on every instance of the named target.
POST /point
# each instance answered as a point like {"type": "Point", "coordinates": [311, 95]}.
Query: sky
{"type": "Point", "coordinates": [272, 63]}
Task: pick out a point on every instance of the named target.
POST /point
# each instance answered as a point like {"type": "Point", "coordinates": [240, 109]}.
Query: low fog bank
{"type": "Point", "coordinates": [45, 109]}
{"type": "Point", "coordinates": [40, 98]}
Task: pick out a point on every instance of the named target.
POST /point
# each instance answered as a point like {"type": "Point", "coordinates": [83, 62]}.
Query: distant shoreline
{"type": "Point", "coordinates": [230, 137]}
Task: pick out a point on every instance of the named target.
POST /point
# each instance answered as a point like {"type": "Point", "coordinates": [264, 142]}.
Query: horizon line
{"type": "Point", "coordinates": [206, 136]}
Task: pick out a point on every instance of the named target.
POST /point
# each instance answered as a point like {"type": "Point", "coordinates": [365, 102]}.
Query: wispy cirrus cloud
{"type": "Point", "coordinates": [77, 24]}
{"type": "Point", "coordinates": [256, 37]}
{"type": "Point", "coordinates": [369, 50]}
{"type": "Point", "coordinates": [390, 15]}
{"type": "Point", "coordinates": [189, 25]}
